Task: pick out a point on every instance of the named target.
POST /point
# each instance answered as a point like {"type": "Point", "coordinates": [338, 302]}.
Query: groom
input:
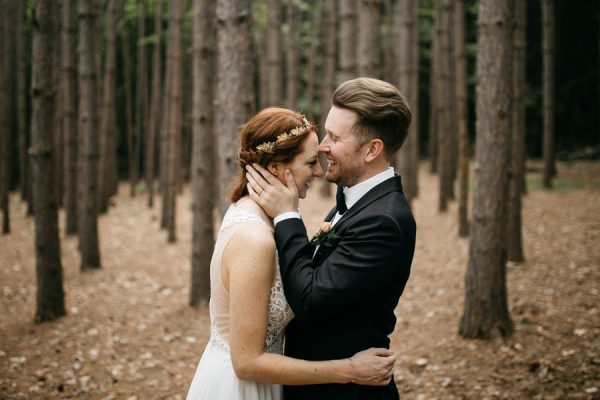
{"type": "Point", "coordinates": [344, 295]}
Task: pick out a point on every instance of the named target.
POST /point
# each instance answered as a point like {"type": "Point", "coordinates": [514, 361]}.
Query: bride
{"type": "Point", "coordinates": [248, 310]}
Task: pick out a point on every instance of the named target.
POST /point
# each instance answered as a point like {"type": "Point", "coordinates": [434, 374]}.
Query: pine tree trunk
{"type": "Point", "coordinates": [69, 104]}
{"type": "Point", "coordinates": [407, 75]}
{"type": "Point", "coordinates": [293, 56]}
{"type": "Point", "coordinates": [128, 107]}
{"type": "Point", "coordinates": [347, 10]}
{"type": "Point", "coordinates": [328, 74]}
{"type": "Point", "coordinates": [274, 67]}
{"type": "Point", "coordinates": [59, 142]}
{"type": "Point", "coordinates": [6, 74]}
{"type": "Point", "coordinates": [203, 171]}
{"type": "Point", "coordinates": [22, 56]}
{"type": "Point", "coordinates": [548, 85]}
{"type": "Point", "coordinates": [460, 61]}
{"type": "Point", "coordinates": [452, 109]}
{"type": "Point", "coordinates": [107, 121]}
{"type": "Point", "coordinates": [444, 122]}
{"type": "Point", "coordinates": [141, 86]}
{"type": "Point", "coordinates": [154, 123]}
{"type": "Point", "coordinates": [234, 87]}
{"type": "Point", "coordinates": [88, 145]}
{"type": "Point", "coordinates": [486, 310]}
{"type": "Point", "coordinates": [174, 115]}
{"type": "Point", "coordinates": [390, 69]}
{"type": "Point", "coordinates": [312, 56]}
{"type": "Point", "coordinates": [433, 94]}
{"type": "Point", "coordinates": [515, 236]}
{"type": "Point", "coordinates": [50, 295]}
{"type": "Point", "coordinates": [369, 16]}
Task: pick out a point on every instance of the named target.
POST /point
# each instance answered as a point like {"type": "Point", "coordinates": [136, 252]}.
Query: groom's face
{"type": "Point", "coordinates": [342, 148]}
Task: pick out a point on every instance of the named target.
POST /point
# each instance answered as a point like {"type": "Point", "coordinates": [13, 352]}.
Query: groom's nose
{"type": "Point", "coordinates": [324, 146]}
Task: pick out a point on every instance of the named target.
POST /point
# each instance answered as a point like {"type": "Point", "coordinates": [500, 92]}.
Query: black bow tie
{"type": "Point", "coordinates": [340, 201]}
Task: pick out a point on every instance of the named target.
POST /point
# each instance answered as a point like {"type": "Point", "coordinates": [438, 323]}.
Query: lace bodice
{"type": "Point", "coordinates": [280, 313]}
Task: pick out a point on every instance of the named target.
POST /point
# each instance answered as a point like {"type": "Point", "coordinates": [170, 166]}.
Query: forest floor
{"type": "Point", "coordinates": [129, 333]}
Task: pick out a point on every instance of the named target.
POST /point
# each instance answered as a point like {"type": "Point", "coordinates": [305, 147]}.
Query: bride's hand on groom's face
{"type": "Point", "coordinates": [270, 193]}
{"type": "Point", "coordinates": [373, 367]}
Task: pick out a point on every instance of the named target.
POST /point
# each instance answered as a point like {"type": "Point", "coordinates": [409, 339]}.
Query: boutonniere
{"type": "Point", "coordinates": [325, 236]}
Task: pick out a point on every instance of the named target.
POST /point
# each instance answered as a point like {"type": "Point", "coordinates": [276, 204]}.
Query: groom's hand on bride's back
{"type": "Point", "coordinates": [270, 193]}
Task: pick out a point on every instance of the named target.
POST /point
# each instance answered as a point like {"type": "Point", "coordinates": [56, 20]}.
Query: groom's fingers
{"type": "Point", "coordinates": [262, 176]}
{"type": "Point", "coordinates": [256, 187]}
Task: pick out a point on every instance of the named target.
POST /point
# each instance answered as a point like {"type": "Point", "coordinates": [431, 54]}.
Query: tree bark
{"type": "Point", "coordinates": [347, 10]}
{"type": "Point", "coordinates": [274, 66]}
{"type": "Point", "coordinates": [57, 127]}
{"type": "Point", "coordinates": [486, 310]}
{"type": "Point", "coordinates": [460, 61]}
{"type": "Point", "coordinates": [154, 123]}
{"type": "Point", "coordinates": [407, 74]}
{"type": "Point", "coordinates": [433, 94]}
{"type": "Point", "coordinates": [328, 74]}
{"type": "Point", "coordinates": [203, 171]}
{"type": "Point", "coordinates": [312, 56]}
{"type": "Point", "coordinates": [293, 55]}
{"type": "Point", "coordinates": [514, 235]}
{"type": "Point", "coordinates": [443, 93]}
{"type": "Point", "coordinates": [234, 87]}
{"type": "Point", "coordinates": [107, 121]}
{"type": "Point", "coordinates": [548, 89]}
{"type": "Point", "coordinates": [6, 93]}
{"type": "Point", "coordinates": [388, 42]}
{"type": "Point", "coordinates": [369, 16]}
{"type": "Point", "coordinates": [141, 102]}
{"type": "Point", "coordinates": [174, 115]}
{"type": "Point", "coordinates": [50, 294]}
{"type": "Point", "coordinates": [22, 56]}
{"type": "Point", "coordinates": [128, 106]}
{"type": "Point", "coordinates": [88, 148]}
{"type": "Point", "coordinates": [69, 104]}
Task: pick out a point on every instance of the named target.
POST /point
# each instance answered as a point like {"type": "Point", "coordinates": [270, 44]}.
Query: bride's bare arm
{"type": "Point", "coordinates": [248, 263]}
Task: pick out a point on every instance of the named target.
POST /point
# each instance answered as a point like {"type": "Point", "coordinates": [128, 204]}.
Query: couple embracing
{"type": "Point", "coordinates": [299, 319]}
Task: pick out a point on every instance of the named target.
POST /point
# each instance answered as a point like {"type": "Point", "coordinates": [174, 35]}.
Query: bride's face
{"type": "Point", "coordinates": [305, 166]}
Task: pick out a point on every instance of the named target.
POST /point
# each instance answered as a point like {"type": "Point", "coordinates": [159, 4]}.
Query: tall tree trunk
{"type": "Point", "coordinates": [293, 55]}
{"type": "Point", "coordinates": [88, 149]}
{"type": "Point", "coordinates": [388, 42]}
{"type": "Point", "coordinates": [174, 115]}
{"type": "Point", "coordinates": [6, 110]}
{"type": "Point", "coordinates": [154, 123]}
{"type": "Point", "coordinates": [514, 235]}
{"type": "Point", "coordinates": [460, 61]}
{"type": "Point", "coordinates": [234, 87]}
{"type": "Point", "coordinates": [369, 16]}
{"type": "Point", "coordinates": [407, 74]}
{"type": "Point", "coordinates": [452, 109]}
{"type": "Point", "coordinates": [107, 121]}
{"type": "Point", "coordinates": [141, 87]}
{"type": "Point", "coordinates": [486, 310]}
{"type": "Point", "coordinates": [328, 80]}
{"type": "Point", "coordinates": [59, 142]}
{"type": "Point", "coordinates": [548, 84]}
{"type": "Point", "coordinates": [274, 71]}
{"type": "Point", "coordinates": [128, 106]}
{"type": "Point", "coordinates": [312, 56]}
{"type": "Point", "coordinates": [433, 94]}
{"type": "Point", "coordinates": [347, 10]}
{"type": "Point", "coordinates": [203, 171]}
{"type": "Point", "coordinates": [50, 302]}
{"type": "Point", "coordinates": [22, 56]}
{"type": "Point", "coordinates": [443, 93]}
{"type": "Point", "coordinates": [69, 104]}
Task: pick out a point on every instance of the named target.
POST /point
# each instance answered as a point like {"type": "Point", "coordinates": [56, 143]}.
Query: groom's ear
{"type": "Point", "coordinates": [374, 150]}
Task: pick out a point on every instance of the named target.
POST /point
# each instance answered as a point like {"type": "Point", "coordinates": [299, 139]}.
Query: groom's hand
{"type": "Point", "coordinates": [268, 191]}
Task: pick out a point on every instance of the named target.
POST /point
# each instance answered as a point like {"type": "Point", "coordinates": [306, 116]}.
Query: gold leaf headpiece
{"type": "Point", "coordinates": [268, 147]}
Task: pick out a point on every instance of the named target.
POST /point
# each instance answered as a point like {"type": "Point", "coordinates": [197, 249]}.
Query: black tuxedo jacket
{"type": "Point", "coordinates": [344, 298]}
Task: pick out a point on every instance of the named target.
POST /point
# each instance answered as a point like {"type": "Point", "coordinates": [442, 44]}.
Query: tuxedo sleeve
{"type": "Point", "coordinates": [364, 260]}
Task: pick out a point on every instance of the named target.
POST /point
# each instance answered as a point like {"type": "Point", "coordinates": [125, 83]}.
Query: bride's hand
{"type": "Point", "coordinates": [373, 367]}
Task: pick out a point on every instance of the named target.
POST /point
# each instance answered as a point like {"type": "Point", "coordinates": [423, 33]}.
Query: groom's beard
{"type": "Point", "coordinates": [345, 173]}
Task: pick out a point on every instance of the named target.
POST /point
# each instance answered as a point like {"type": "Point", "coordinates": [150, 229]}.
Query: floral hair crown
{"type": "Point", "coordinates": [268, 147]}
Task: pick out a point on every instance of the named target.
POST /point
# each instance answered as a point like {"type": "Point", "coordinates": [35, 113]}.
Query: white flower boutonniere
{"type": "Point", "coordinates": [325, 236]}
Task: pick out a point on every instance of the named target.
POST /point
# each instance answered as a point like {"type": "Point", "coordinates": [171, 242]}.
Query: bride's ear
{"type": "Point", "coordinates": [274, 168]}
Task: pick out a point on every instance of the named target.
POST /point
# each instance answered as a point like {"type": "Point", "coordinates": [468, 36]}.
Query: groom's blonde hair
{"type": "Point", "coordinates": [382, 111]}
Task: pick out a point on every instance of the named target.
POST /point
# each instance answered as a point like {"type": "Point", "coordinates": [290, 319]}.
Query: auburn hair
{"type": "Point", "coordinates": [262, 128]}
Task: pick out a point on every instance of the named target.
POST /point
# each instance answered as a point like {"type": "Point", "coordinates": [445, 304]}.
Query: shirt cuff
{"type": "Point", "coordinates": [286, 215]}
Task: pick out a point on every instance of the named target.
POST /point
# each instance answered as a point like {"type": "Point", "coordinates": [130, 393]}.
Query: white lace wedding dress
{"type": "Point", "coordinates": [215, 378]}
